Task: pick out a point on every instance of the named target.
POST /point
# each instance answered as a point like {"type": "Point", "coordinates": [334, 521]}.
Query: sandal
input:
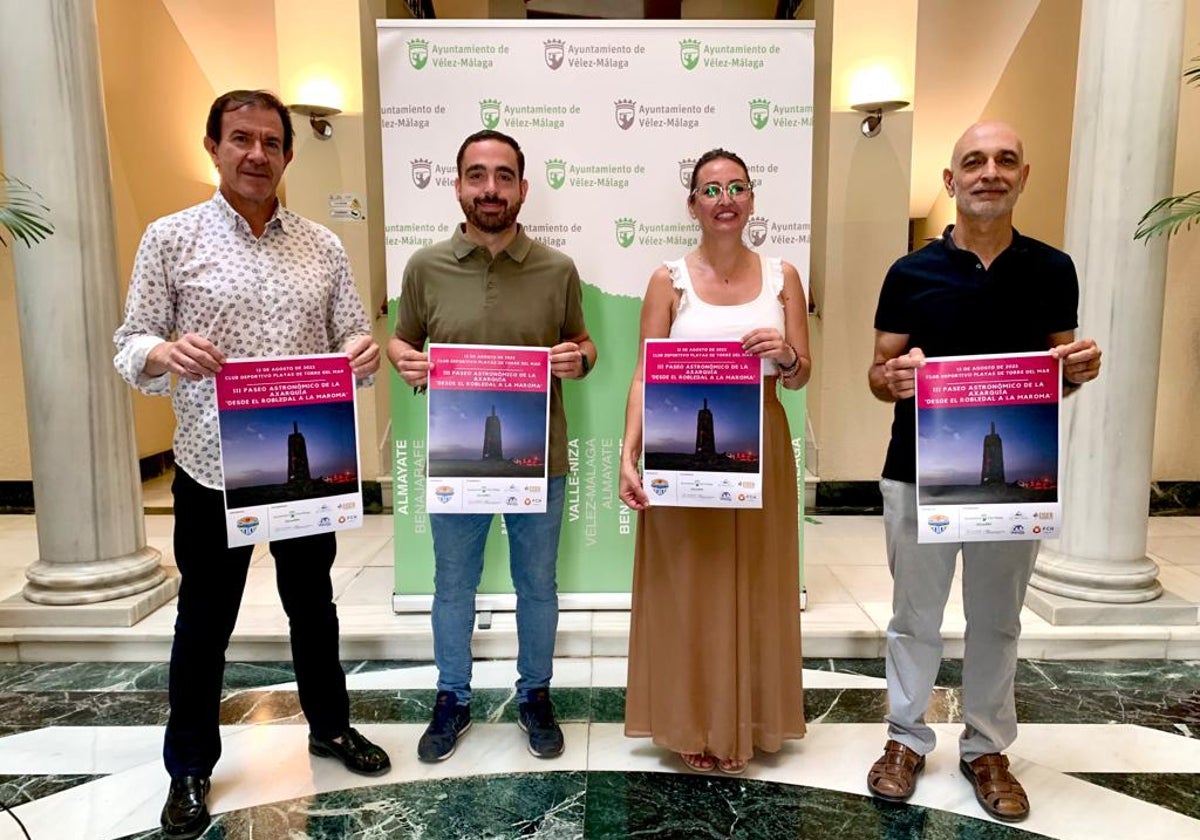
{"type": "Point", "coordinates": [998, 791]}
{"type": "Point", "coordinates": [698, 762]}
{"type": "Point", "coordinates": [893, 778]}
{"type": "Point", "coordinates": [732, 766]}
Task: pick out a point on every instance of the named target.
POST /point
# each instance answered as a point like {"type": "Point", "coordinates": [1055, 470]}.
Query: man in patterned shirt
{"type": "Point", "coordinates": [240, 276]}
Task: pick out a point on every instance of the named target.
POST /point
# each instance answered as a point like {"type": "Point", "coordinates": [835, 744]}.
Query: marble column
{"type": "Point", "coordinates": [1122, 160]}
{"type": "Point", "coordinates": [87, 492]}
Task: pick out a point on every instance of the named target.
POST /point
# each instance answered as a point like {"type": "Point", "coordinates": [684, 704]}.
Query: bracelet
{"type": "Point", "coordinates": [788, 370]}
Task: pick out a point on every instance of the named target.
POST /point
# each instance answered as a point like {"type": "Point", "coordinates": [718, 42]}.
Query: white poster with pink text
{"type": "Point", "coordinates": [702, 424]}
{"type": "Point", "coordinates": [488, 429]}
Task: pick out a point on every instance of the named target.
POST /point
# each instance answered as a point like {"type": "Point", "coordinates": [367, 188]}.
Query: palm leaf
{"type": "Point", "coordinates": [1192, 75]}
{"type": "Point", "coordinates": [22, 213]}
{"type": "Point", "coordinates": [1174, 212]}
{"type": "Point", "coordinates": [1169, 215]}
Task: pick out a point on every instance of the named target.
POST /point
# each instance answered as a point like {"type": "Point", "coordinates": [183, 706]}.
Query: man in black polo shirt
{"type": "Point", "coordinates": [981, 288]}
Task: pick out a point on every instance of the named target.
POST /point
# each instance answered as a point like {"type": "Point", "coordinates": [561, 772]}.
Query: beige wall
{"type": "Point", "coordinates": [860, 224]}
{"type": "Point", "coordinates": [156, 98]}
{"type": "Point", "coordinates": [375, 244]}
{"type": "Point", "coordinates": [1176, 455]}
{"type": "Point", "coordinates": [1036, 93]}
{"type": "Point", "coordinates": [322, 41]}
{"type": "Point", "coordinates": [14, 443]}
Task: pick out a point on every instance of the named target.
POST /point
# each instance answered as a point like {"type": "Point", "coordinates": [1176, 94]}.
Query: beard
{"type": "Point", "coordinates": [986, 211]}
{"type": "Point", "coordinates": [491, 221]}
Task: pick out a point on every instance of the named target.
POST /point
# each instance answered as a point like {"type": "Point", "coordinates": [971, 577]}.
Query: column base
{"type": "Point", "coordinates": [1068, 590]}
{"type": "Point", "coordinates": [1096, 581]}
{"type": "Point", "coordinates": [16, 611]}
{"type": "Point", "coordinates": [58, 583]}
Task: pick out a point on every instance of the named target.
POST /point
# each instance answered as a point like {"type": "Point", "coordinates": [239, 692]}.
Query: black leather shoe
{"type": "Point", "coordinates": [353, 750]}
{"type": "Point", "coordinates": [185, 816]}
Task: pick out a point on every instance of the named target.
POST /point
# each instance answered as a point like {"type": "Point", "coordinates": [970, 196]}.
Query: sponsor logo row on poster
{"type": "Point", "coordinates": [559, 53]}
{"type": "Point", "coordinates": [977, 523]}
{"type": "Point", "coordinates": [627, 114]}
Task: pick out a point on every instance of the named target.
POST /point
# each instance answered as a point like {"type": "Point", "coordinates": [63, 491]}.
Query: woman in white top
{"type": "Point", "coordinates": [714, 648]}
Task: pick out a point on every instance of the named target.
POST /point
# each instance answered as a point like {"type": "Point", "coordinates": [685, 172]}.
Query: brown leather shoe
{"type": "Point", "coordinates": [998, 791]}
{"type": "Point", "coordinates": [893, 777]}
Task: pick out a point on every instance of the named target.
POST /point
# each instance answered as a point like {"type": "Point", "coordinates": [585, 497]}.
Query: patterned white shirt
{"type": "Point", "coordinates": [289, 292]}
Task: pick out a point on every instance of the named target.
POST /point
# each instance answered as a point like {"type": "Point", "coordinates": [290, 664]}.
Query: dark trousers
{"type": "Point", "coordinates": [213, 577]}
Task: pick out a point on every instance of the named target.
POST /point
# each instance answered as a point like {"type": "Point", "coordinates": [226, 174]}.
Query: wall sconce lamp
{"type": "Point", "coordinates": [874, 114]}
{"type": "Point", "coordinates": [316, 114]}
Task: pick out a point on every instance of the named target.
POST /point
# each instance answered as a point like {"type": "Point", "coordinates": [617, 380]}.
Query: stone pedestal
{"type": "Point", "coordinates": [1122, 160]}
{"type": "Point", "coordinates": [121, 611]}
{"type": "Point", "coordinates": [87, 493]}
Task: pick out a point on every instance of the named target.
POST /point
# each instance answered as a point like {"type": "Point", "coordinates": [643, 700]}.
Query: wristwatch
{"type": "Point", "coordinates": [587, 365]}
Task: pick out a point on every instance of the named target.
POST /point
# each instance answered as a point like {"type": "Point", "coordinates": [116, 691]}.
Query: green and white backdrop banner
{"type": "Point", "coordinates": [611, 117]}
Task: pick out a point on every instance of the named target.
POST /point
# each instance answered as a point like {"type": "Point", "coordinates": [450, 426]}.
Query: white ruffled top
{"type": "Point", "coordinates": [697, 320]}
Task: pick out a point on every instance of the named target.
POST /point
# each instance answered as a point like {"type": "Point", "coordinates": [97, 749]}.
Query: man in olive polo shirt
{"type": "Point", "coordinates": [491, 284]}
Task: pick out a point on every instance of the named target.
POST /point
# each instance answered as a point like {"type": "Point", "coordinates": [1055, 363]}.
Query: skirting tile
{"type": "Point", "coordinates": [1097, 648]}
{"type": "Point", "coordinates": [609, 671]}
{"type": "Point", "coordinates": [1184, 643]}
{"type": "Point", "coordinates": [105, 651]}
{"type": "Point", "coordinates": [840, 647]}
{"type": "Point", "coordinates": [1169, 609]}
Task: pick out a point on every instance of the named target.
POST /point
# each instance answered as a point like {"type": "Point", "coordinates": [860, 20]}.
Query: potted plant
{"type": "Point", "coordinates": [22, 214]}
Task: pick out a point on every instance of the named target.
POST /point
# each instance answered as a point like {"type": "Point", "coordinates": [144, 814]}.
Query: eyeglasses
{"type": "Point", "coordinates": [736, 190]}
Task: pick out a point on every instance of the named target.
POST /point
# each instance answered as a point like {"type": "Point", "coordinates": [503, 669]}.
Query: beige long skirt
{"type": "Point", "coordinates": [714, 641]}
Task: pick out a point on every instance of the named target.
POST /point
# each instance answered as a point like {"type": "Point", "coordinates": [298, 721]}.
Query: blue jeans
{"type": "Point", "coordinates": [458, 543]}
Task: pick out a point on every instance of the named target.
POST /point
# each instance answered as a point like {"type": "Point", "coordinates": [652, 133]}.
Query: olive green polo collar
{"type": "Point", "coordinates": [517, 250]}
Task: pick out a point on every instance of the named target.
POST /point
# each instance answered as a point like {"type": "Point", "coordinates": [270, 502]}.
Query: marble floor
{"type": "Point", "coordinates": [1109, 744]}
{"type": "Point", "coordinates": [1108, 749]}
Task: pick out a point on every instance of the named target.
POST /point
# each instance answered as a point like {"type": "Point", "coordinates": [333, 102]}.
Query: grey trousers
{"type": "Point", "coordinates": [995, 575]}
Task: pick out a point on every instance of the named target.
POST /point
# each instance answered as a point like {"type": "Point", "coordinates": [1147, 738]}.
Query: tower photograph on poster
{"type": "Point", "coordinates": [989, 454]}
{"type": "Point", "coordinates": [478, 433]}
{"type": "Point", "coordinates": [283, 454]}
{"type": "Point", "coordinates": [700, 426]}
